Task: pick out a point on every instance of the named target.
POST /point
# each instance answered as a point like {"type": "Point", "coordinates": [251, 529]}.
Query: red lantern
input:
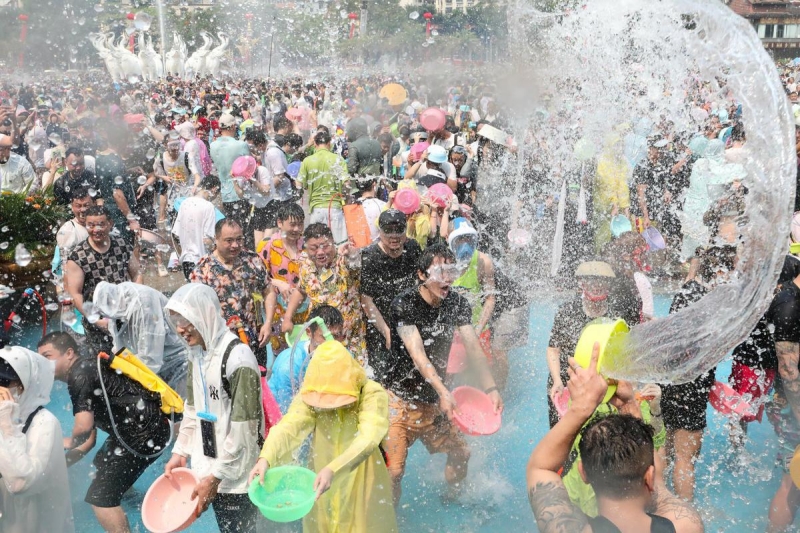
{"type": "Point", "coordinates": [352, 17]}
{"type": "Point", "coordinates": [427, 16]}
{"type": "Point", "coordinates": [23, 34]}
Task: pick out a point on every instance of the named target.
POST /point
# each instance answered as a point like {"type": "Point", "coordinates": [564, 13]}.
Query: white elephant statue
{"type": "Point", "coordinates": [196, 64]}
{"type": "Point", "coordinates": [215, 56]}
{"type": "Point", "coordinates": [176, 58]}
{"type": "Point", "coordinates": [150, 60]}
{"type": "Point", "coordinates": [108, 57]}
{"type": "Point", "coordinates": [129, 63]}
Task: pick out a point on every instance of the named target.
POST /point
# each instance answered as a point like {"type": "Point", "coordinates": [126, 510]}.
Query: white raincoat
{"type": "Point", "coordinates": [144, 329]}
{"type": "Point", "coordinates": [710, 170]}
{"type": "Point", "coordinates": [34, 490]}
{"type": "Point", "coordinates": [239, 417]}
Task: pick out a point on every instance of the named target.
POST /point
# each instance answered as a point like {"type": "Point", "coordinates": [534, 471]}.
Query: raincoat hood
{"type": "Point", "coordinates": [356, 129]}
{"type": "Point", "coordinates": [36, 374]}
{"type": "Point", "coordinates": [186, 131]}
{"type": "Point", "coordinates": [333, 379]}
{"type": "Point", "coordinates": [715, 150]}
{"type": "Point", "coordinates": [113, 300]}
{"type": "Point", "coordinates": [199, 304]}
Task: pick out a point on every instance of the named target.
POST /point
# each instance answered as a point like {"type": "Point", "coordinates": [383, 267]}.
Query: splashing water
{"type": "Point", "coordinates": [637, 77]}
{"type": "Point", "coordinates": [22, 256]}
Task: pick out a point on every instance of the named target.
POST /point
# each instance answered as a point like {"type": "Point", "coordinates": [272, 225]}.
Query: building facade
{"type": "Point", "coordinates": [776, 22]}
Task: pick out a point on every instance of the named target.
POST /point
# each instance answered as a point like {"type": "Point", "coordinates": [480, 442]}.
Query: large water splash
{"type": "Point", "coordinates": [605, 70]}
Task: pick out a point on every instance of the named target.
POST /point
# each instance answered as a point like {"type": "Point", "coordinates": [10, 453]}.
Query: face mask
{"type": "Point", "coordinates": [595, 297]}
{"type": "Point", "coordinates": [464, 252]}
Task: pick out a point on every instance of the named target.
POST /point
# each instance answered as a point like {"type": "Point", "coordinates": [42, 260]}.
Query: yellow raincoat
{"type": "Point", "coordinates": [345, 440]}
{"type": "Point", "coordinates": [610, 189]}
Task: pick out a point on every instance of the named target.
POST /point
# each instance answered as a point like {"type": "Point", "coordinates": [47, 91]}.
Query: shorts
{"type": "Point", "coordinates": [684, 406]}
{"type": "Point", "coordinates": [118, 469]}
{"type": "Point", "coordinates": [754, 382]}
{"type": "Point", "coordinates": [234, 513]}
{"type": "Point", "coordinates": [423, 421]}
{"type": "Point", "coordinates": [265, 217]}
{"type": "Point", "coordinates": [238, 211]}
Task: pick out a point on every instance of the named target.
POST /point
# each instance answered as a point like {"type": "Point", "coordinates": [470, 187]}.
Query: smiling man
{"type": "Point", "coordinates": [424, 319]}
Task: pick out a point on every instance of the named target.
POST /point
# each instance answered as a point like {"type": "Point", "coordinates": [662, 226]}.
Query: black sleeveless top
{"type": "Point", "coordinates": [659, 524]}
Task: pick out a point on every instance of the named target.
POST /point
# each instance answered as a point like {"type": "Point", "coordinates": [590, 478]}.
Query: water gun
{"type": "Point", "coordinates": [236, 322]}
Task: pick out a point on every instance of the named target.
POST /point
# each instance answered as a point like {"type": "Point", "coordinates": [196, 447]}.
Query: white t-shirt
{"type": "Point", "coordinates": [70, 235]}
{"type": "Point", "coordinates": [195, 221]}
{"type": "Point", "coordinates": [276, 163]}
{"type": "Point", "coordinates": [373, 208]}
{"type": "Point", "coordinates": [646, 292]}
{"type": "Point", "coordinates": [447, 167]}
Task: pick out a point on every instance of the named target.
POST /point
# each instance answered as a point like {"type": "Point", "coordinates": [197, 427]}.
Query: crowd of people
{"type": "Point", "coordinates": [338, 250]}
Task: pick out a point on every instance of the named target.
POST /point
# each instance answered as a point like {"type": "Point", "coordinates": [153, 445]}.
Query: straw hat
{"type": "Point", "coordinates": [598, 269]}
{"type": "Point", "coordinates": [334, 378]}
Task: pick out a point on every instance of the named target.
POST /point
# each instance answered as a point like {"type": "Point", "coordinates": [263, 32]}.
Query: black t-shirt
{"type": "Point", "coordinates": [784, 314]}
{"type": "Point", "coordinates": [567, 328]}
{"type": "Point", "coordinates": [624, 300]}
{"type": "Point", "coordinates": [383, 278]}
{"type": "Point", "coordinates": [136, 411]}
{"type": "Point", "coordinates": [758, 350]}
{"type": "Point", "coordinates": [66, 184]}
{"type": "Point", "coordinates": [436, 326]}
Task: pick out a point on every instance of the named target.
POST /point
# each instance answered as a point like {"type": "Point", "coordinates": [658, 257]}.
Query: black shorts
{"type": "Point", "coordinates": [265, 217]}
{"type": "Point", "coordinates": [238, 211]}
{"type": "Point", "coordinates": [684, 406]}
{"type": "Point", "coordinates": [118, 469]}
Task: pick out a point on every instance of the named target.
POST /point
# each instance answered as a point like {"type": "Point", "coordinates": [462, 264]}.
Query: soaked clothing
{"type": "Point", "coordinates": [436, 326]}
{"type": "Point", "coordinates": [567, 328]}
{"type": "Point", "coordinates": [235, 289]}
{"type": "Point", "coordinates": [107, 168]}
{"type": "Point", "coordinates": [684, 405]}
{"type": "Point", "coordinates": [137, 416]}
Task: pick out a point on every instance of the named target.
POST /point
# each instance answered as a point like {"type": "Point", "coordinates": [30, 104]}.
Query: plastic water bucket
{"type": "Point", "coordinates": [475, 414]}
{"type": "Point", "coordinates": [654, 239]}
{"type": "Point", "coordinates": [440, 194]}
{"type": "Point", "coordinates": [610, 334]}
{"type": "Point", "coordinates": [432, 119]}
{"type": "Point", "coordinates": [728, 402]}
{"type": "Point", "coordinates": [168, 504]}
{"type": "Point", "coordinates": [286, 495]}
{"type": "Point", "coordinates": [244, 167]}
{"type": "Point", "coordinates": [620, 224]}
{"type": "Point", "coordinates": [406, 201]}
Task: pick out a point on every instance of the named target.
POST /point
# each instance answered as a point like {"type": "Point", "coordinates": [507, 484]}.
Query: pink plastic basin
{"type": "Point", "coordinates": [432, 119]}
{"type": "Point", "coordinates": [475, 414]}
{"type": "Point", "coordinates": [440, 194]}
{"type": "Point", "coordinates": [406, 201]}
{"type": "Point", "coordinates": [168, 504]}
{"type": "Point", "coordinates": [728, 402]}
{"type": "Point", "coordinates": [244, 167]}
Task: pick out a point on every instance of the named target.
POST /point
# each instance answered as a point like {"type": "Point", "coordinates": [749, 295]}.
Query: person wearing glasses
{"type": "Point", "coordinates": [16, 173]}
{"type": "Point", "coordinates": [330, 276]}
{"type": "Point", "coordinates": [423, 321]}
{"type": "Point", "coordinates": [240, 280]}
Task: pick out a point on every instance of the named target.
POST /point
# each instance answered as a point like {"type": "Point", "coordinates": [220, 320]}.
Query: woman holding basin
{"type": "Point", "coordinates": [348, 417]}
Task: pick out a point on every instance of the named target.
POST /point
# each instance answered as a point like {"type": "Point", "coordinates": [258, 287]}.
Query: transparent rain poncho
{"type": "Point", "coordinates": [138, 322]}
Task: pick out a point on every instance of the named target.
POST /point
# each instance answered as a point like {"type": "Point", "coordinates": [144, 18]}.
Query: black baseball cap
{"type": "Point", "coordinates": [392, 219]}
{"type": "Point", "coordinates": [7, 373]}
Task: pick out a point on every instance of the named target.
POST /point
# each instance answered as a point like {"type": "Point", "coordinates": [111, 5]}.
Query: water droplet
{"type": "Point", "coordinates": [343, 14]}
{"type": "Point", "coordinates": [151, 154]}
{"type": "Point", "coordinates": [3, 245]}
{"type": "Point", "coordinates": [51, 307]}
{"type": "Point", "coordinates": [81, 21]}
{"type": "Point", "coordinates": [163, 248]}
{"type": "Point", "coordinates": [99, 8]}
{"type": "Point", "coordinates": [68, 316]}
{"type": "Point", "coordinates": [22, 256]}
{"type": "Point", "coordinates": [92, 192]}
{"type": "Point", "coordinates": [140, 405]}
{"type": "Point", "coordinates": [98, 392]}
{"type": "Point", "coordinates": [16, 319]}
{"type": "Point", "coordinates": [118, 451]}
{"type": "Point", "coordinates": [414, 15]}
{"type": "Point", "coordinates": [141, 180]}
{"type": "Point", "coordinates": [150, 443]}
{"type": "Point", "coordinates": [118, 180]}
{"type": "Point", "coordinates": [90, 312]}
{"type": "Point", "coordinates": [434, 33]}
{"type": "Point", "coordinates": [4, 229]}
{"type": "Point", "coordinates": [142, 21]}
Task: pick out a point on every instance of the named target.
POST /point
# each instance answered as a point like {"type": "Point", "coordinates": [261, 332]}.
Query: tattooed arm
{"type": "Point", "coordinates": [680, 512]}
{"type": "Point", "coordinates": [551, 506]}
{"type": "Point", "coordinates": [554, 511]}
{"type": "Point", "coordinates": [788, 358]}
